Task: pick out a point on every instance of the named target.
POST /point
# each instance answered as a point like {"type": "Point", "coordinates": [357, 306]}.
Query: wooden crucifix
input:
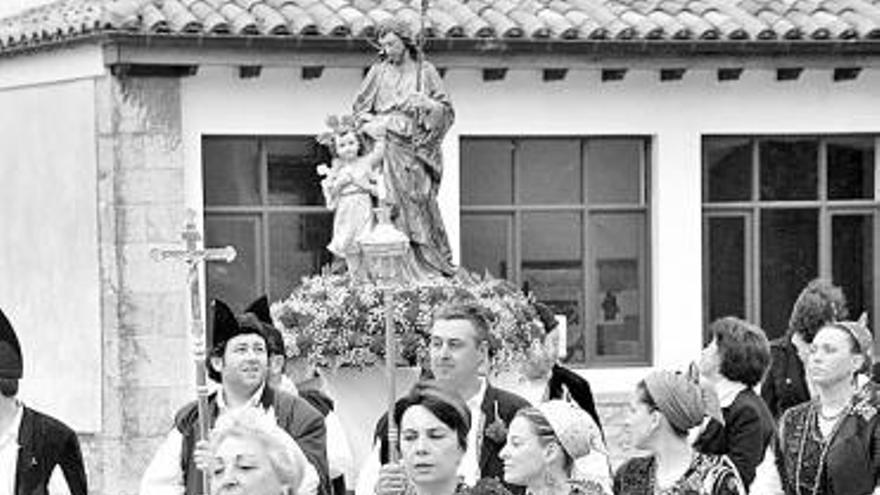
{"type": "Point", "coordinates": [194, 255]}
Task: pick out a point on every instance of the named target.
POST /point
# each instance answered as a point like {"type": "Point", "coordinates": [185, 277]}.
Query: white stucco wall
{"type": "Point", "coordinates": [48, 237]}
{"type": "Point", "coordinates": [674, 114]}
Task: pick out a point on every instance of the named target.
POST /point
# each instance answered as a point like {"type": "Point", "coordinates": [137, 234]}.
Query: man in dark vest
{"type": "Point", "coordinates": [459, 353]}
{"type": "Point", "coordinates": [238, 360]}
{"type": "Point", "coordinates": [32, 444]}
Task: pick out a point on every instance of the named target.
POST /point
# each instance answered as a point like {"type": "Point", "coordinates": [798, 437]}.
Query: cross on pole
{"type": "Point", "coordinates": [193, 255]}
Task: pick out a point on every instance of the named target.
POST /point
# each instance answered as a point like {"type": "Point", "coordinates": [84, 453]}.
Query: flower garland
{"type": "Point", "coordinates": [333, 322]}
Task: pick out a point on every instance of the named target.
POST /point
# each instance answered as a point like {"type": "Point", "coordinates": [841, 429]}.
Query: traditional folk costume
{"type": "Point", "coordinates": [34, 444]}
{"type": "Point", "coordinates": [785, 384]}
{"type": "Point", "coordinates": [683, 404]}
{"type": "Point", "coordinates": [707, 475]}
{"type": "Point", "coordinates": [846, 462]}
{"type": "Point", "coordinates": [492, 409]}
{"type": "Point", "coordinates": [172, 470]}
{"type": "Point", "coordinates": [582, 440]}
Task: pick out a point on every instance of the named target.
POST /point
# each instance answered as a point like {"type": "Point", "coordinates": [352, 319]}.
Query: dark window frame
{"type": "Point", "coordinates": [750, 210]}
{"type": "Point", "coordinates": [264, 209]}
{"type": "Point", "coordinates": [515, 212]}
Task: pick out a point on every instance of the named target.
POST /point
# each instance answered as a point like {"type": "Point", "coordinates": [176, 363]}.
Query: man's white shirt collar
{"type": "Point", "coordinates": [476, 401]}
{"type": "Point", "coordinates": [9, 448]}
{"type": "Point", "coordinates": [727, 391]}
{"type": "Point", "coordinates": [254, 400]}
{"type": "Point", "coordinates": [469, 467]}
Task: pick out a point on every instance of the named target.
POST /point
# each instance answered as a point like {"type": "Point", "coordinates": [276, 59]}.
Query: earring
{"type": "Point", "coordinates": [549, 480]}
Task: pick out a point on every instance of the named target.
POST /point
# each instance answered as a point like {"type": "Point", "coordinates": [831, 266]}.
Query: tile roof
{"type": "Point", "coordinates": [476, 19]}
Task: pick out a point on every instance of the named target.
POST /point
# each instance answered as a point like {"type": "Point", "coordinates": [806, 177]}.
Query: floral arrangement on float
{"type": "Point", "coordinates": [333, 320]}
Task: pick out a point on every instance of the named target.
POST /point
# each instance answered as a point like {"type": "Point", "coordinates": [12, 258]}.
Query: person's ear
{"type": "Point", "coordinates": [657, 420]}
{"type": "Point", "coordinates": [217, 363]}
{"type": "Point", "coordinates": [276, 364]}
{"type": "Point", "coordinates": [858, 363]}
{"type": "Point", "coordinates": [483, 349]}
{"type": "Point", "coordinates": [552, 451]}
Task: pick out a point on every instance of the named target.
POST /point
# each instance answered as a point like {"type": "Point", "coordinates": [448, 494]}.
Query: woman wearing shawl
{"type": "Point", "coordinates": [830, 445]}
{"type": "Point", "coordinates": [664, 408]}
{"type": "Point", "coordinates": [544, 446]}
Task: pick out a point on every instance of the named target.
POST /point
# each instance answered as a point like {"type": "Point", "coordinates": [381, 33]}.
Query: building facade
{"type": "Point", "coordinates": [642, 169]}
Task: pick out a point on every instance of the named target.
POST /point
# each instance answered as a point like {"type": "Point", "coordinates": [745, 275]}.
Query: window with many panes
{"type": "Point", "coordinates": [263, 196]}
{"type": "Point", "coordinates": [779, 211]}
{"type": "Point", "coordinates": [567, 219]}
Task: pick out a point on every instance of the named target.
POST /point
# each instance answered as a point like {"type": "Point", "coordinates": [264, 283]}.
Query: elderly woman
{"type": "Point", "coordinates": [664, 408]}
{"type": "Point", "coordinates": [250, 454]}
{"type": "Point", "coordinates": [820, 302]}
{"type": "Point", "coordinates": [433, 424]}
{"type": "Point", "coordinates": [830, 445]}
{"type": "Point", "coordinates": [734, 362]}
{"type": "Point", "coordinates": [544, 444]}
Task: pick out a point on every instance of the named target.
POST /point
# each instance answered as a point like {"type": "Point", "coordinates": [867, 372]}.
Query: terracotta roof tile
{"type": "Point", "coordinates": [559, 26]}
{"type": "Point", "coordinates": [698, 26]}
{"type": "Point", "coordinates": [527, 19]}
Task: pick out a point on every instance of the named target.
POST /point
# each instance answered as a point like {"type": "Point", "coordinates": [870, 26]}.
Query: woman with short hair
{"type": "Point", "coordinates": [663, 409]}
{"type": "Point", "coordinates": [433, 424]}
{"type": "Point", "coordinates": [251, 454]}
{"type": "Point", "coordinates": [734, 362]}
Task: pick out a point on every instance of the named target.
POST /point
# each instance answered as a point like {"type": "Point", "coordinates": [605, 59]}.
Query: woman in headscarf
{"type": "Point", "coordinates": [830, 445]}
{"type": "Point", "coordinates": [664, 408]}
{"type": "Point", "coordinates": [544, 446]}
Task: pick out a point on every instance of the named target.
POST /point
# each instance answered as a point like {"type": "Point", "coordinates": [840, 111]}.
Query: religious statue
{"type": "Point", "coordinates": [404, 95]}
{"type": "Point", "coordinates": [350, 183]}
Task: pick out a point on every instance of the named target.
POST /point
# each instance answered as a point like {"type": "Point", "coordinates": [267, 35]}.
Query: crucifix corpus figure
{"type": "Point", "coordinates": [194, 255]}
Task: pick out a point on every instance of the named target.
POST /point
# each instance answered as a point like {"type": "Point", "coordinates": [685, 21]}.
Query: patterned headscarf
{"type": "Point", "coordinates": [678, 398]}
{"type": "Point", "coordinates": [858, 330]}
{"type": "Point", "coordinates": [574, 427]}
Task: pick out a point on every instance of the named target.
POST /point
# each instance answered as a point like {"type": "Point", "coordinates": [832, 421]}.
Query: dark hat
{"type": "Point", "coordinates": [260, 309]}
{"type": "Point", "coordinates": [547, 317]}
{"type": "Point", "coordinates": [274, 339]}
{"type": "Point", "coordinates": [226, 326]}
{"type": "Point", "coordinates": [10, 351]}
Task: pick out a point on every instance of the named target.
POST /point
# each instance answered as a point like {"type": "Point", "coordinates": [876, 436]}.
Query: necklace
{"type": "Point", "coordinates": [812, 412]}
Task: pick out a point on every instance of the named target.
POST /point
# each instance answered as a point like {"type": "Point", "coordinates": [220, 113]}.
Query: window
{"type": "Point", "coordinates": [567, 219]}
{"type": "Point", "coordinates": [263, 196]}
{"type": "Point", "coordinates": [779, 211]}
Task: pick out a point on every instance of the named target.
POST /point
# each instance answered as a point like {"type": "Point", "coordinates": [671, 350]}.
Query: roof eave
{"type": "Point", "coordinates": [122, 47]}
{"type": "Point", "coordinates": [479, 52]}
